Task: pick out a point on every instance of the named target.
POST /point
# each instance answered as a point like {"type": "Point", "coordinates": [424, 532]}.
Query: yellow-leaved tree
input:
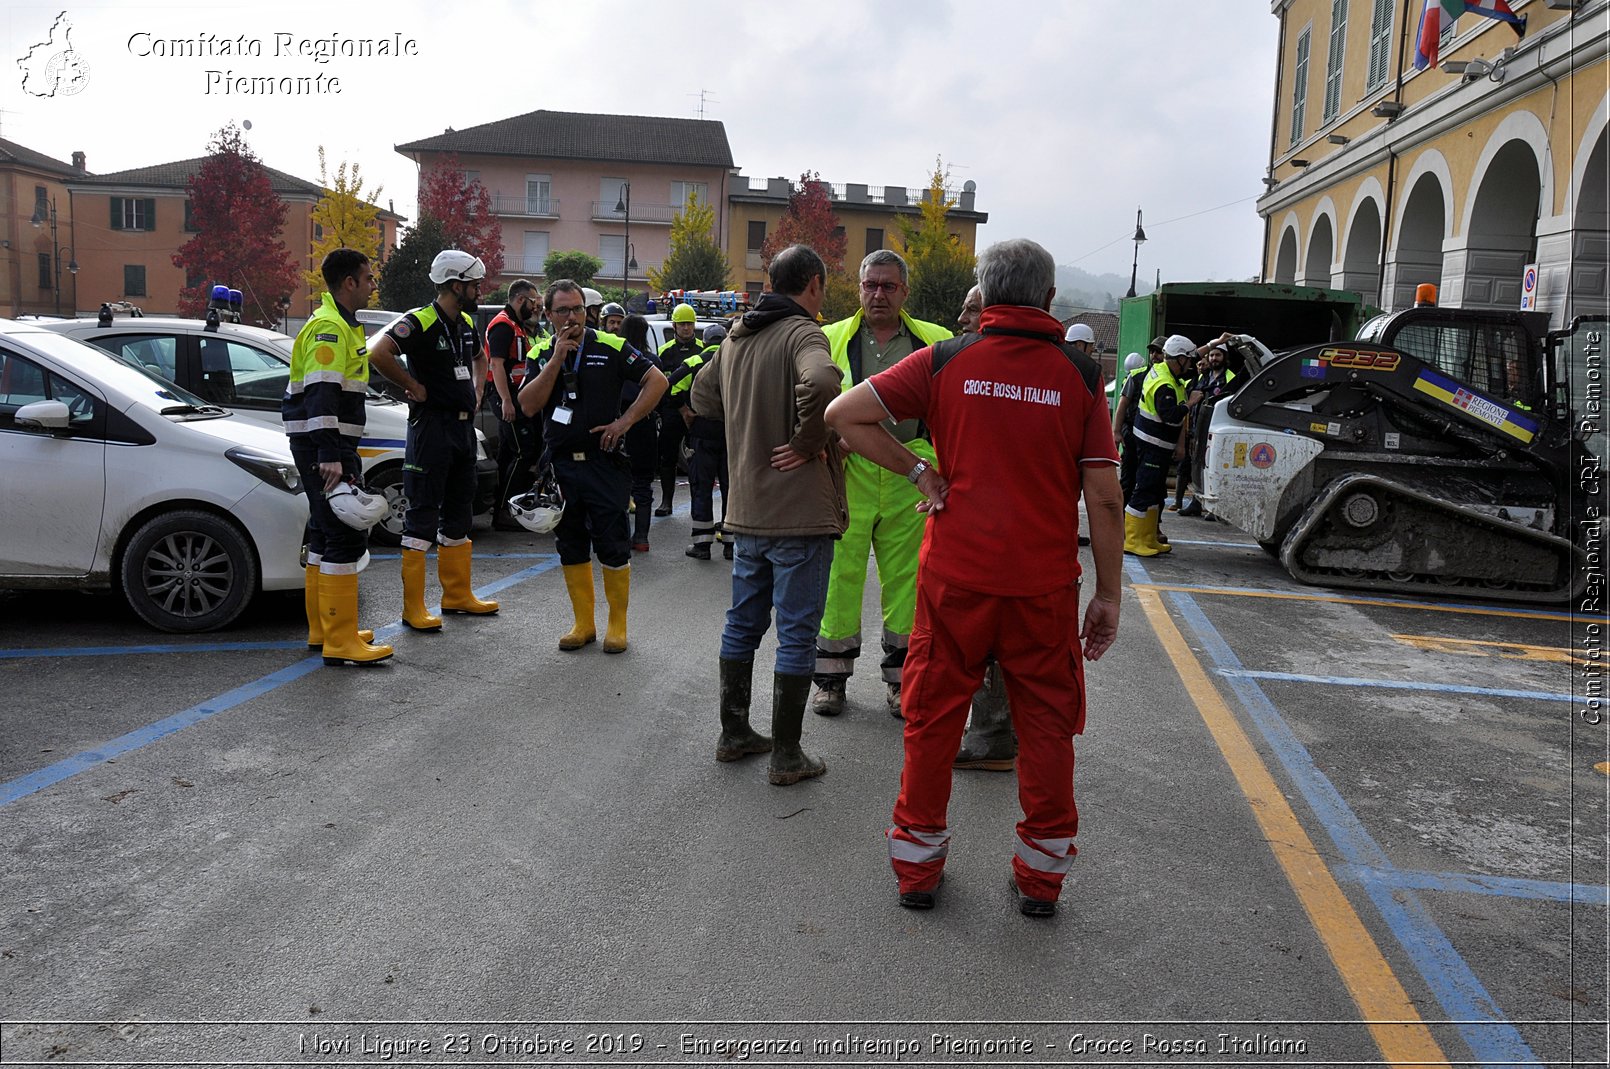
{"type": "Point", "coordinates": [941, 266]}
{"type": "Point", "coordinates": [695, 262]}
{"type": "Point", "coordinates": [343, 218]}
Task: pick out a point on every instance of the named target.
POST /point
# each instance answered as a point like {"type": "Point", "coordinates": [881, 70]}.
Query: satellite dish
{"type": "Point", "coordinates": [969, 186]}
{"type": "Point", "coordinates": [246, 124]}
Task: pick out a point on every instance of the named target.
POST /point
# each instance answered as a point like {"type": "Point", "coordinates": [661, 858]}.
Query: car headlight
{"type": "Point", "coordinates": [278, 472]}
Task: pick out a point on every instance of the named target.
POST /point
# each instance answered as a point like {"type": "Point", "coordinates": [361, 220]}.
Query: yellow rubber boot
{"type": "Point", "coordinates": [453, 569]}
{"type": "Point", "coordinates": [1154, 516]}
{"type": "Point", "coordinates": [338, 611]}
{"type": "Point", "coordinates": [1135, 542]}
{"type": "Point", "coordinates": [413, 575]}
{"type": "Point", "coordinates": [617, 591]}
{"type": "Point", "coordinates": [579, 581]}
{"type": "Point", "coordinates": [310, 600]}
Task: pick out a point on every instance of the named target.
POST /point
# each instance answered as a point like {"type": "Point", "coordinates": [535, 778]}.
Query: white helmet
{"type": "Point", "coordinates": [538, 509]}
{"type": "Point", "coordinates": [355, 508]}
{"type": "Point", "coordinates": [591, 298]}
{"type": "Point", "coordinates": [1178, 345]}
{"type": "Point", "coordinates": [1134, 362]}
{"type": "Point", "coordinates": [1080, 332]}
{"type": "Point", "coordinates": [455, 265]}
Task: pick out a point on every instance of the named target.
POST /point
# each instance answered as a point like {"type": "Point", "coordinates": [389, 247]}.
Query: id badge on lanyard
{"type": "Point", "coordinates": [566, 410]}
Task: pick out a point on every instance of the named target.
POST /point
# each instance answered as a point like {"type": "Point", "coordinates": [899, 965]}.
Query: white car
{"type": "Point", "coordinates": [245, 369]}
{"type": "Point", "coordinates": [113, 477]}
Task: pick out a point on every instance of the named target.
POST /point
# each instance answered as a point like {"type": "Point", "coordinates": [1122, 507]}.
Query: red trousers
{"type": "Point", "coordinates": [1036, 642]}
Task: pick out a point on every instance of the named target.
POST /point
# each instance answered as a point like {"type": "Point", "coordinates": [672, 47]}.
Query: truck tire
{"type": "Point", "coordinates": [188, 571]}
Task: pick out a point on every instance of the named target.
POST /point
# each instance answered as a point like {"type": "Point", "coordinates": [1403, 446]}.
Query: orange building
{"type": "Point", "coordinates": [126, 226]}
{"type": "Point", "coordinates": [36, 275]}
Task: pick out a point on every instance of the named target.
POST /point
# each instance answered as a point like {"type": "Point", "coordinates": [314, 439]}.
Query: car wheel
{"type": "Point", "coordinates": [188, 571]}
{"type": "Point", "coordinates": [388, 482]}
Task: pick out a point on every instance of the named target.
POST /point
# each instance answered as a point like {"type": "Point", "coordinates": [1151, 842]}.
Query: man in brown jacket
{"type": "Point", "coordinates": [770, 383]}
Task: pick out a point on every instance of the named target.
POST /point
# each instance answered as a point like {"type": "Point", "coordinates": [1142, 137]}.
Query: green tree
{"type": "Point", "coordinates": [405, 278]}
{"type": "Point", "coordinates": [345, 217]}
{"type": "Point", "coordinates": [696, 261]}
{"type": "Point", "coordinates": [941, 267]}
{"type": "Point", "coordinates": [578, 266]}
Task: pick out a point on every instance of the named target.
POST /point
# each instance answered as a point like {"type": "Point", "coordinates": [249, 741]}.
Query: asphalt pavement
{"type": "Point", "coordinates": [1316, 828]}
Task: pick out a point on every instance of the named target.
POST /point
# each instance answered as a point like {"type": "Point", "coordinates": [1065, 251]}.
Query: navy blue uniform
{"type": "Point", "coordinates": [597, 485]}
{"type": "Point", "coordinates": [439, 470]}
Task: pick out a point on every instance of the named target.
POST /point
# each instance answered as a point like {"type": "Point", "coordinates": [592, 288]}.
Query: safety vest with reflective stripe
{"type": "Point", "coordinates": [843, 342]}
{"type": "Point", "coordinates": [328, 383]}
{"type": "Point", "coordinates": [1162, 408]}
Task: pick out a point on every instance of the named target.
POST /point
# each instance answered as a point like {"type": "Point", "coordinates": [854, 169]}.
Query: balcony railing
{"type": "Point", "coordinates": [651, 214]}
{"type": "Point", "coordinates": [530, 207]}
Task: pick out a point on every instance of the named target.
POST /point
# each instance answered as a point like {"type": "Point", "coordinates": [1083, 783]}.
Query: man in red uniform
{"type": "Point", "coordinates": [1020, 425]}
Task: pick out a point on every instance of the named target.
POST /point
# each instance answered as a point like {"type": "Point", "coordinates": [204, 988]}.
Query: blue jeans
{"type": "Point", "coordinates": [789, 574]}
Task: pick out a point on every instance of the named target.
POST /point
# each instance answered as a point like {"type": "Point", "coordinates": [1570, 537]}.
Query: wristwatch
{"type": "Point", "coordinates": [916, 472]}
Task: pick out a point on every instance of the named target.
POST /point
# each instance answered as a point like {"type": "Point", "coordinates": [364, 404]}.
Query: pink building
{"type": "Point", "coordinates": [564, 180]}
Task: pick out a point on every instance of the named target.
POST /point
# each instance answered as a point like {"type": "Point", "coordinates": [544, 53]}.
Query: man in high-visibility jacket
{"type": "Point", "coordinates": [323, 410]}
{"type": "Point", "coordinates": [684, 345]}
{"type": "Point", "coordinates": [883, 506]}
{"type": "Point", "coordinates": [1158, 423]}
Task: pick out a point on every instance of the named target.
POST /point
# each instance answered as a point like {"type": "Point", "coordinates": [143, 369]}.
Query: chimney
{"type": "Point", "coordinates": [78, 161]}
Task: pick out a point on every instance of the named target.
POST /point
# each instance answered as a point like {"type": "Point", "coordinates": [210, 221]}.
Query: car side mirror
{"type": "Point", "coordinates": [43, 415]}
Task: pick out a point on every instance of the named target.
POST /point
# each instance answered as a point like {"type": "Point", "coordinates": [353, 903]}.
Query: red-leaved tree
{"type": "Point", "coordinates": [238, 219]}
{"type": "Point", "coordinates": [808, 220]}
{"type": "Point", "coordinates": [464, 208]}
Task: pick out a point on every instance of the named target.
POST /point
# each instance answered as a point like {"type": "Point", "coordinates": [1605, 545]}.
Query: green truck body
{"type": "Point", "coordinates": [1280, 316]}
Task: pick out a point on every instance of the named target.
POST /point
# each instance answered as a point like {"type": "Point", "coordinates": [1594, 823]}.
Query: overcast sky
{"type": "Point", "coordinates": [1068, 116]}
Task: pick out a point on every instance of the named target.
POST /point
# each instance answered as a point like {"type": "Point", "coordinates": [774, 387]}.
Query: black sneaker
{"type": "Point", "coordinates": [726, 550]}
{"type": "Point", "coordinates": [1032, 907]}
{"type": "Point", "coordinates": [920, 899]}
{"type": "Point", "coordinates": [1192, 508]}
{"type": "Point", "coordinates": [699, 551]}
{"type": "Point", "coordinates": [663, 510]}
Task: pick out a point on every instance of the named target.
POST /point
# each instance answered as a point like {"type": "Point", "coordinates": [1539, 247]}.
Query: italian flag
{"type": "Point", "coordinates": [1438, 12]}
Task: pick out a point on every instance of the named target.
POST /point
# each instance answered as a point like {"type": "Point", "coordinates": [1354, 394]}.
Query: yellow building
{"type": "Point", "coordinates": [1382, 176]}
{"type": "Point", "coordinates": [868, 214]}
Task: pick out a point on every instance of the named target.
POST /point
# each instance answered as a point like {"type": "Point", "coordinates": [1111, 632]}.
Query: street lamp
{"type": "Point", "coordinates": [1140, 236]}
{"type": "Point", "coordinates": [623, 203]}
{"type": "Point", "coordinates": [631, 265]}
{"type": "Point", "coordinates": [44, 211]}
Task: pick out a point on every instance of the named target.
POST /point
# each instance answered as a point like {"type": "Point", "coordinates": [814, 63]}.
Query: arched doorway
{"type": "Point", "coordinates": [1502, 236]}
{"type": "Point", "coordinates": [1321, 251]}
{"type": "Point", "coordinates": [1418, 257]}
{"type": "Point", "coordinates": [1590, 240]}
{"type": "Point", "coordinates": [1361, 259]}
{"type": "Point", "coordinates": [1286, 259]}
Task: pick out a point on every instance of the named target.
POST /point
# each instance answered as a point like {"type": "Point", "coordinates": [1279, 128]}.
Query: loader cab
{"type": "Point", "coordinates": [1498, 353]}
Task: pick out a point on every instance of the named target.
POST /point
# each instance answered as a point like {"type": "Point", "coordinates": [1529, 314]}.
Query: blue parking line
{"type": "Point", "coordinates": [68, 767]}
{"type": "Point", "coordinates": [477, 556]}
{"type": "Point", "coordinates": [126, 651]}
{"type": "Point", "coordinates": [1481, 1023]}
{"type": "Point", "coordinates": [1394, 684]}
{"type": "Point", "coordinates": [1582, 894]}
{"type": "Point", "coordinates": [1209, 542]}
{"type": "Point", "coordinates": [81, 762]}
{"type": "Point", "coordinates": [1351, 597]}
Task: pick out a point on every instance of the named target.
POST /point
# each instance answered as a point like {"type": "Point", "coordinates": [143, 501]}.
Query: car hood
{"type": "Point", "coordinates": [238, 430]}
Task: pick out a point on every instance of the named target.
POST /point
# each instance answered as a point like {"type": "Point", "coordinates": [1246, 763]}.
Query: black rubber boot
{"type": "Point", "coordinates": [738, 739]}
{"type": "Point", "coordinates": [989, 743]}
{"type": "Point", "coordinates": [667, 493]}
{"type": "Point", "coordinates": [789, 763]}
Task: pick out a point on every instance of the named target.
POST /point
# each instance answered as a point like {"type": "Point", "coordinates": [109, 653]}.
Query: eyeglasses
{"type": "Point", "coordinates": [566, 311]}
{"type": "Point", "coordinates": [873, 287]}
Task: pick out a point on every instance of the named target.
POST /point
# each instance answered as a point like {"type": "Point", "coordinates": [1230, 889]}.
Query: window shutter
{"type": "Point", "coordinates": [117, 212]}
{"type": "Point", "coordinates": [150, 213]}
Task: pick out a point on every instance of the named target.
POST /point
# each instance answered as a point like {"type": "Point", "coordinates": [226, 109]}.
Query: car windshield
{"type": "Point", "coordinates": [149, 389]}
